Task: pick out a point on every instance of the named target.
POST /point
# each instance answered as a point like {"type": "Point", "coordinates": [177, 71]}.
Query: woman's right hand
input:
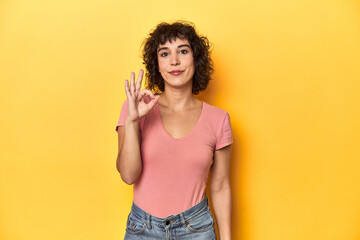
{"type": "Point", "coordinates": [137, 107]}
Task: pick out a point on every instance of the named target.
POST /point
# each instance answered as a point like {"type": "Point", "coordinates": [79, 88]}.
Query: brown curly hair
{"type": "Point", "coordinates": [201, 52]}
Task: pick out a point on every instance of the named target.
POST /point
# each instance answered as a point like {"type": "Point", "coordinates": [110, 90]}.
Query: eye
{"type": "Point", "coordinates": [184, 51]}
{"type": "Point", "coordinates": [164, 54]}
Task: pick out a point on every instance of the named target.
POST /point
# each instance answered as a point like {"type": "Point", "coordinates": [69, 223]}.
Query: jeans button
{"type": "Point", "coordinates": [167, 222]}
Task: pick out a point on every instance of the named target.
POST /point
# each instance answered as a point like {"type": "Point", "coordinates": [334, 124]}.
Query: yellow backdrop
{"type": "Point", "coordinates": [286, 71]}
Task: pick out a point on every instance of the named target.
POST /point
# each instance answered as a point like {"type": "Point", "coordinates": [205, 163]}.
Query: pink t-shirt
{"type": "Point", "coordinates": [175, 171]}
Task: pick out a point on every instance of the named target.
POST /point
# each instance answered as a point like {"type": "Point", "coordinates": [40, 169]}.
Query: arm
{"type": "Point", "coordinates": [128, 161]}
{"type": "Point", "coordinates": [220, 191]}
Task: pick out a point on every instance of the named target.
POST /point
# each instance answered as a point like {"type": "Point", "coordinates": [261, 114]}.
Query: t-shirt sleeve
{"type": "Point", "coordinates": [224, 133]}
{"type": "Point", "coordinates": [123, 115]}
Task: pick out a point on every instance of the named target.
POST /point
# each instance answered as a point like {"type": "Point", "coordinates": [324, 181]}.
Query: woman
{"type": "Point", "coordinates": [169, 141]}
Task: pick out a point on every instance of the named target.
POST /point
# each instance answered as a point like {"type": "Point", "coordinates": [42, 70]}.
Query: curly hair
{"type": "Point", "coordinates": [199, 45]}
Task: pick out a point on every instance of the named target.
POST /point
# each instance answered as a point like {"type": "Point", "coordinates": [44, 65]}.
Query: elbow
{"type": "Point", "coordinates": [220, 186]}
{"type": "Point", "coordinates": [129, 177]}
{"type": "Point", "coordinates": [128, 180]}
{"type": "Point", "coordinates": [129, 174]}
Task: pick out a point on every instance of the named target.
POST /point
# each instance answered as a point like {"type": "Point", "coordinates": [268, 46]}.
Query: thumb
{"type": "Point", "coordinates": [153, 101]}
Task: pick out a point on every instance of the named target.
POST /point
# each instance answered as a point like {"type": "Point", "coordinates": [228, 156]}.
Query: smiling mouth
{"type": "Point", "coordinates": [177, 72]}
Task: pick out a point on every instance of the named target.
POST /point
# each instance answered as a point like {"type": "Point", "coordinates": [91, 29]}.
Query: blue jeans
{"type": "Point", "coordinates": [195, 223]}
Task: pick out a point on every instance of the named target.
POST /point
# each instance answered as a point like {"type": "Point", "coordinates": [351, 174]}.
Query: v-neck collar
{"type": "Point", "coordinates": [187, 135]}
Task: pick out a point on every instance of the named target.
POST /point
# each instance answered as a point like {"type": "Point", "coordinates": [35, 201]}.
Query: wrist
{"type": "Point", "coordinates": [130, 122]}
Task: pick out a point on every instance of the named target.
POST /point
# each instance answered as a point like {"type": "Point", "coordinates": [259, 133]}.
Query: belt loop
{"type": "Point", "coordinates": [207, 200]}
{"type": "Point", "coordinates": [148, 221]}
{"type": "Point", "coordinates": [183, 220]}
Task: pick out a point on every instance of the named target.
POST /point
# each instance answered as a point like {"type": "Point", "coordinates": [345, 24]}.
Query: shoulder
{"type": "Point", "coordinates": [214, 112]}
{"type": "Point", "coordinates": [219, 121]}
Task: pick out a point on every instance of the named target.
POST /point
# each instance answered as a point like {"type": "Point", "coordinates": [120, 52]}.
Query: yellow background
{"type": "Point", "coordinates": [286, 71]}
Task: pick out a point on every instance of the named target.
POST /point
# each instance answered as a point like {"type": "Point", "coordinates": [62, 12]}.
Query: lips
{"type": "Point", "coordinates": [176, 72]}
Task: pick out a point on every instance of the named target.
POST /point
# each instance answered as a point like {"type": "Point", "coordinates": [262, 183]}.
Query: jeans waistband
{"type": "Point", "coordinates": [172, 220]}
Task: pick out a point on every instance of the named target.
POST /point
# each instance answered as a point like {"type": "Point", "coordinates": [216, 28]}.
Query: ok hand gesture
{"type": "Point", "coordinates": [137, 107]}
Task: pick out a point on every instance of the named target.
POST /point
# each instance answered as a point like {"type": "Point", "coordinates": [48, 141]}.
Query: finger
{"type": "Point", "coordinates": [132, 83]}
{"type": "Point", "coordinates": [147, 91]}
{"type": "Point", "coordinates": [139, 80]}
{"type": "Point", "coordinates": [127, 90]}
{"type": "Point", "coordinates": [144, 92]}
{"type": "Point", "coordinates": [153, 101]}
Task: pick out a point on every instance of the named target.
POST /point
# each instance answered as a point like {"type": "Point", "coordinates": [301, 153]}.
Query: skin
{"type": "Point", "coordinates": [179, 111]}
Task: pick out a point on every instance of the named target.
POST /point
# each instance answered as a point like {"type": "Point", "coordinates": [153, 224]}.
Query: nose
{"type": "Point", "coordinates": [175, 60]}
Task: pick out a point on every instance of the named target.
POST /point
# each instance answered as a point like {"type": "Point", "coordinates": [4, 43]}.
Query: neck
{"type": "Point", "coordinates": [177, 99]}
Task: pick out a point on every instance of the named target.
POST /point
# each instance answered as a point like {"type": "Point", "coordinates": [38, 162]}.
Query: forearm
{"type": "Point", "coordinates": [129, 159]}
{"type": "Point", "coordinates": [222, 204]}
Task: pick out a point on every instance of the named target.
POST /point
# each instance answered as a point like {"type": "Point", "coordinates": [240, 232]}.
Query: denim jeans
{"type": "Point", "coordinates": [195, 223]}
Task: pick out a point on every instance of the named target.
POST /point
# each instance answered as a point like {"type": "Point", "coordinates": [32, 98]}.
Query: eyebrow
{"type": "Point", "coordinates": [183, 45]}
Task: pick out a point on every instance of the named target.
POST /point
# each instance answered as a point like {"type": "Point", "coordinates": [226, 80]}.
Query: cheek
{"type": "Point", "coordinates": [192, 64]}
{"type": "Point", "coordinates": [162, 68]}
{"type": "Point", "coordinates": [161, 65]}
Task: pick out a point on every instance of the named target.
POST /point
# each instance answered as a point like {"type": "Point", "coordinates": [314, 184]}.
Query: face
{"type": "Point", "coordinates": [176, 62]}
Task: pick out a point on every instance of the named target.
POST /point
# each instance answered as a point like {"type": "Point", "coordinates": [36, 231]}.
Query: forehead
{"type": "Point", "coordinates": [174, 43]}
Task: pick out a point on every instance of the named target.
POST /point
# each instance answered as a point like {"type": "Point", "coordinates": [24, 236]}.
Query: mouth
{"type": "Point", "coordinates": [176, 72]}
